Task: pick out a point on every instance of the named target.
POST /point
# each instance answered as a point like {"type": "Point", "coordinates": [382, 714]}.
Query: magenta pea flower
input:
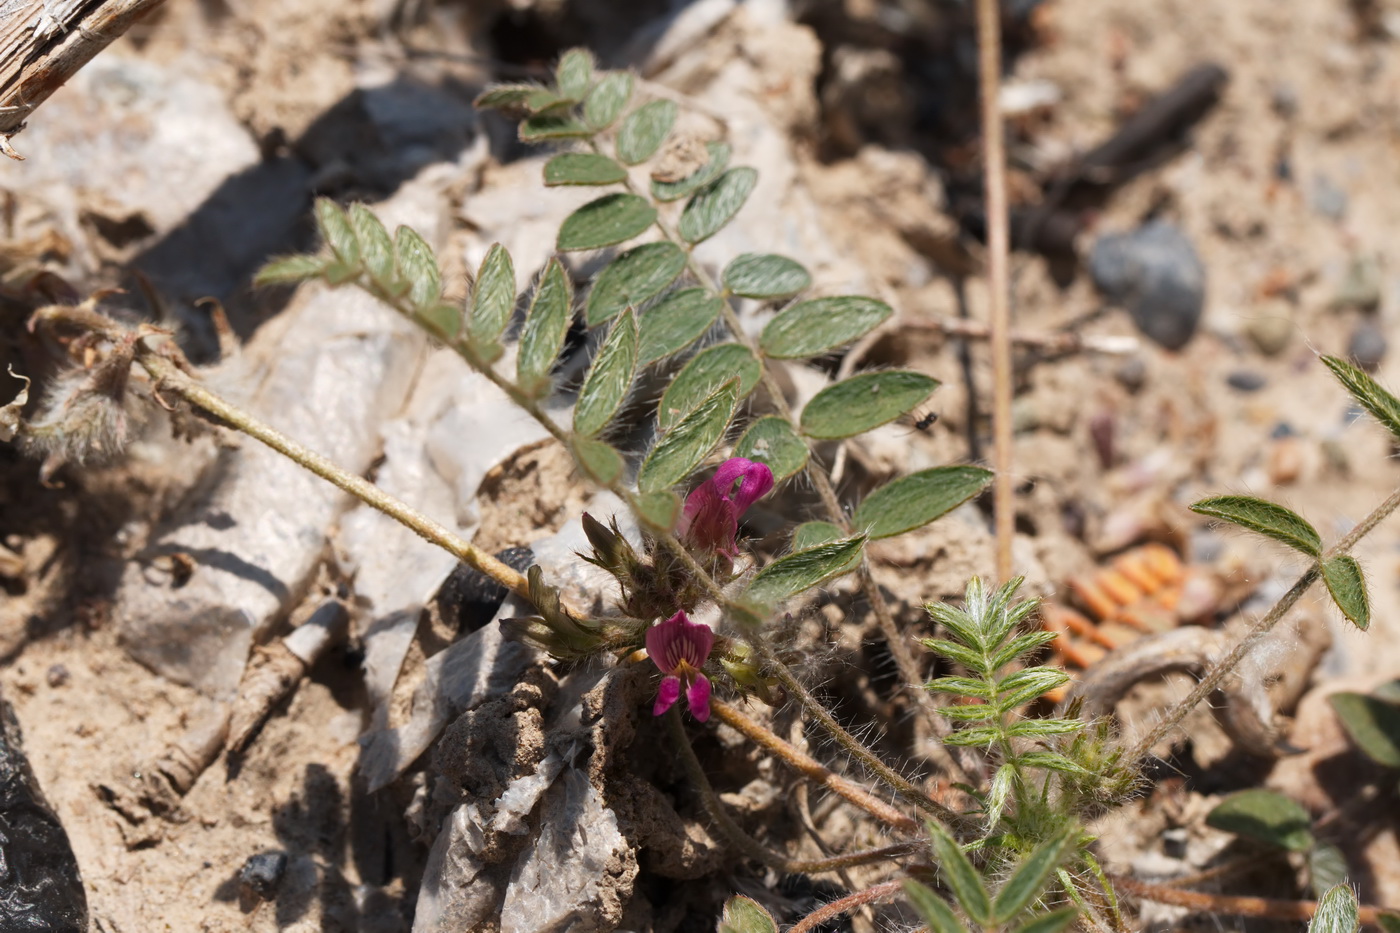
{"type": "Point", "coordinates": [711, 518]}
{"type": "Point", "coordinates": [679, 647]}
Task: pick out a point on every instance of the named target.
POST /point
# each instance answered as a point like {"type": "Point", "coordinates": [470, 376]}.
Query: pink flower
{"type": "Point", "coordinates": [679, 647]}
{"type": "Point", "coordinates": [711, 517]}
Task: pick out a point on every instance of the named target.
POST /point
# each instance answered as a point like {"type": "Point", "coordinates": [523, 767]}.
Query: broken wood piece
{"type": "Point", "coordinates": [43, 43]}
{"type": "Point", "coordinates": [275, 670]}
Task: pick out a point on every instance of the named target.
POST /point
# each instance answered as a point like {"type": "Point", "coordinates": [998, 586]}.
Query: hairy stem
{"type": "Point", "coordinates": [813, 770]}
{"type": "Point", "coordinates": [169, 378]}
{"type": "Point", "coordinates": [998, 286]}
{"type": "Point", "coordinates": [750, 846]}
{"type": "Point", "coordinates": [1226, 904]}
{"type": "Point", "coordinates": [845, 905]}
{"type": "Point", "coordinates": [1256, 634]}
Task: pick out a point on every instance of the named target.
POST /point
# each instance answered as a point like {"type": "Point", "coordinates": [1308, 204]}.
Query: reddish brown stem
{"type": "Point", "coordinates": [845, 905]}
{"type": "Point", "coordinates": [1266, 907]}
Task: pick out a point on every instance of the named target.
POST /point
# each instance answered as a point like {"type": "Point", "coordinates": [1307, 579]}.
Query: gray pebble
{"type": "Point", "coordinates": [1361, 286]}
{"type": "Point", "coordinates": [262, 873]}
{"type": "Point", "coordinates": [1246, 380]}
{"type": "Point", "coordinates": [1367, 345]}
{"type": "Point", "coordinates": [1155, 273]}
{"type": "Point", "coordinates": [1327, 199]}
{"type": "Point", "coordinates": [1131, 373]}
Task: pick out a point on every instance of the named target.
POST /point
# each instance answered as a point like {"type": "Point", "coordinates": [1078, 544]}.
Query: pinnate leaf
{"type": "Point", "coordinates": [1337, 912]}
{"type": "Point", "coordinates": [637, 275]}
{"type": "Point", "coordinates": [677, 322]}
{"type": "Point", "coordinates": [1266, 518]}
{"type": "Point", "coordinates": [493, 302]}
{"type": "Point", "coordinates": [1266, 816]}
{"type": "Point", "coordinates": [574, 72]}
{"type": "Point", "coordinates": [605, 102]}
{"type": "Point", "coordinates": [418, 267]}
{"type": "Point", "coordinates": [608, 378]}
{"type": "Point", "coordinates": [1347, 584]}
{"type": "Point", "coordinates": [1373, 397]}
{"type": "Point", "coordinates": [934, 909]}
{"type": "Point", "coordinates": [337, 232]}
{"type": "Point", "coordinates": [666, 191]}
{"type": "Point", "coordinates": [506, 96]}
{"type": "Point", "coordinates": [546, 126]}
{"type": "Point", "coordinates": [864, 401]}
{"type": "Point", "coordinates": [376, 249]}
{"type": "Point", "coordinates": [771, 440]}
{"type": "Point", "coordinates": [1029, 879]}
{"type": "Point", "coordinates": [1372, 723]}
{"type": "Point", "coordinates": [810, 328]}
{"type": "Point", "coordinates": [582, 168]}
{"type": "Point", "coordinates": [546, 323]}
{"type": "Point", "coordinates": [715, 205]}
{"type": "Point", "coordinates": [801, 570]}
{"type": "Point", "coordinates": [765, 275]}
{"type": "Point", "coordinates": [289, 270]}
{"type": "Point", "coordinates": [682, 448]}
{"type": "Point", "coordinates": [605, 221]}
{"type": "Point", "coordinates": [742, 915]}
{"type": "Point", "coordinates": [915, 500]}
{"type": "Point", "coordinates": [644, 130]}
{"type": "Point", "coordinates": [711, 367]}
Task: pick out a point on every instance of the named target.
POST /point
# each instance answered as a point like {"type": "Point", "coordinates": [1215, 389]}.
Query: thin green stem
{"type": "Point", "coordinates": [169, 378]}
{"type": "Point", "coordinates": [750, 846]}
{"type": "Point", "coordinates": [1256, 634]}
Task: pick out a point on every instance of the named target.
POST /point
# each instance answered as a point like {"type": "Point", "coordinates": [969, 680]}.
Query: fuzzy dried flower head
{"type": "Point", "coordinates": [710, 521]}
{"type": "Point", "coordinates": [680, 648]}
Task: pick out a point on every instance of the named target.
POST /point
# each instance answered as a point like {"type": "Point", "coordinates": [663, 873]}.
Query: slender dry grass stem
{"type": "Point", "coordinates": [998, 282]}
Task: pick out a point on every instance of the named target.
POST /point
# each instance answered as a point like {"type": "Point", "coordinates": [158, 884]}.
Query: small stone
{"type": "Point", "coordinates": [1361, 286]}
{"type": "Point", "coordinates": [1132, 373]}
{"type": "Point", "coordinates": [1327, 199]}
{"type": "Point", "coordinates": [262, 873]}
{"type": "Point", "coordinates": [471, 598]}
{"type": "Point", "coordinates": [1285, 461]}
{"type": "Point", "coordinates": [1367, 345]}
{"type": "Point", "coordinates": [1246, 380]}
{"type": "Point", "coordinates": [1272, 330]}
{"type": "Point", "coordinates": [1155, 273]}
{"type": "Point", "coordinates": [1284, 100]}
{"type": "Point", "coordinates": [57, 675]}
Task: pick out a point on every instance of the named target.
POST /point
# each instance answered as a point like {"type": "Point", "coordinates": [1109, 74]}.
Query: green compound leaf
{"type": "Point", "coordinates": [810, 328]}
{"type": "Point", "coordinates": [1372, 723]}
{"type": "Point", "coordinates": [679, 320]}
{"type": "Point", "coordinates": [742, 915]}
{"type": "Point", "coordinates": [493, 302]}
{"type": "Point", "coordinates": [1375, 399]}
{"type": "Point", "coordinates": [1027, 684]}
{"type": "Point", "coordinates": [574, 72]}
{"type": "Point", "coordinates": [802, 570]}
{"type": "Point", "coordinates": [915, 500]}
{"type": "Point", "coordinates": [1337, 912]}
{"type": "Point", "coordinates": [1347, 584]}
{"type": "Point", "coordinates": [765, 275]}
{"type": "Point", "coordinates": [1266, 816]}
{"type": "Point", "coordinates": [582, 168]}
{"type": "Point", "coordinates": [506, 96]}
{"type": "Point", "coordinates": [336, 231]}
{"type": "Point", "coordinates": [715, 205]}
{"type": "Point", "coordinates": [934, 909]}
{"type": "Point", "coordinates": [639, 274]}
{"type": "Point", "coordinates": [771, 440]}
{"type": "Point", "coordinates": [810, 534]}
{"type": "Point", "coordinates": [1029, 879]}
{"type": "Point", "coordinates": [689, 442]}
{"type": "Point", "coordinates": [667, 191]}
{"type": "Point", "coordinates": [376, 249]}
{"type": "Point", "coordinates": [290, 270]}
{"type": "Point", "coordinates": [546, 126]}
{"type": "Point", "coordinates": [605, 221]}
{"type": "Point", "coordinates": [960, 876]}
{"type": "Point", "coordinates": [1053, 922]}
{"type": "Point", "coordinates": [645, 128]}
{"type": "Point", "coordinates": [605, 102]}
{"type": "Point", "coordinates": [599, 462]}
{"type": "Point", "coordinates": [546, 323]}
{"type": "Point", "coordinates": [1266, 518]}
{"type": "Point", "coordinates": [608, 378]}
{"type": "Point", "coordinates": [1327, 868]}
{"type": "Point", "coordinates": [419, 269]}
{"type": "Point", "coordinates": [711, 367]}
{"type": "Point", "coordinates": [657, 510]}
{"type": "Point", "coordinates": [864, 401]}
{"type": "Point", "coordinates": [546, 100]}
